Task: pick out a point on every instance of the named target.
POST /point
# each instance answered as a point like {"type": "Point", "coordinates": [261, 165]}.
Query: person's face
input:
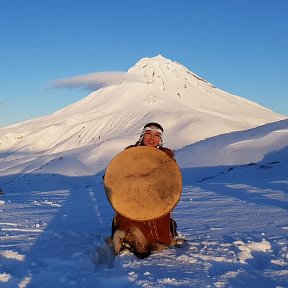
{"type": "Point", "coordinates": [151, 138]}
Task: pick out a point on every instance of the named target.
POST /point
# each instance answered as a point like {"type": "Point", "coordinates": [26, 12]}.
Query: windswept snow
{"type": "Point", "coordinates": [265, 143]}
{"type": "Point", "coordinates": [54, 214]}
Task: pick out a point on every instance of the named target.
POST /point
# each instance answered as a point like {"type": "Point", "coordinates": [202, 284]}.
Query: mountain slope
{"type": "Point", "coordinates": [265, 143]}
{"type": "Point", "coordinates": [189, 108]}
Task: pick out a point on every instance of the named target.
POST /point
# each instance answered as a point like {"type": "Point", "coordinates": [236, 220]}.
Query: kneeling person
{"type": "Point", "coordinates": [143, 237]}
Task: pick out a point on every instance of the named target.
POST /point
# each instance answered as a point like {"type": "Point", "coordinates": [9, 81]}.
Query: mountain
{"type": "Point", "coordinates": [187, 106]}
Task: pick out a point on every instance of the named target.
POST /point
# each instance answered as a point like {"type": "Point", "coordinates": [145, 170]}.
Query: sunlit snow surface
{"type": "Point", "coordinates": [54, 214]}
{"type": "Point", "coordinates": [236, 230]}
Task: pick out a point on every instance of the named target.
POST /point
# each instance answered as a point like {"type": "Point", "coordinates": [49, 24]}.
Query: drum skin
{"type": "Point", "coordinates": [143, 183]}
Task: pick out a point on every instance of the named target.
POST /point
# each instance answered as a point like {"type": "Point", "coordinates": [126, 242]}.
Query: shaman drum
{"type": "Point", "coordinates": [143, 183]}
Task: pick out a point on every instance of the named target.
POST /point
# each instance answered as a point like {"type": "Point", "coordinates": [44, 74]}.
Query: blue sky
{"type": "Point", "coordinates": [239, 46]}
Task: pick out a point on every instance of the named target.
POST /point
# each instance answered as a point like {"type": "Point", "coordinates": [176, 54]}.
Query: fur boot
{"type": "Point", "coordinates": [118, 239]}
{"type": "Point", "coordinates": [133, 240]}
{"type": "Point", "coordinates": [137, 242]}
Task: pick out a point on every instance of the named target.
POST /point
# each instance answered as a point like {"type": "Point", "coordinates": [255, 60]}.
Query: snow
{"type": "Point", "coordinates": [54, 214]}
{"type": "Point", "coordinates": [236, 231]}
{"type": "Point", "coordinates": [265, 143]}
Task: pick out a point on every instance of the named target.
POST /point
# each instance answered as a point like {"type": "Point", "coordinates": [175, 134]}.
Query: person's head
{"type": "Point", "coordinates": [152, 135]}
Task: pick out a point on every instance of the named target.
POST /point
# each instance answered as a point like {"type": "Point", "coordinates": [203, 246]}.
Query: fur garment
{"type": "Point", "coordinates": [135, 241]}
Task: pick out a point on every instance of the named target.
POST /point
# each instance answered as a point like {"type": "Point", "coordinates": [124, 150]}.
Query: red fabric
{"type": "Point", "coordinates": [154, 230]}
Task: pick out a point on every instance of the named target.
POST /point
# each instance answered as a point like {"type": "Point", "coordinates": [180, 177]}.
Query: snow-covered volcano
{"type": "Point", "coordinates": [187, 106]}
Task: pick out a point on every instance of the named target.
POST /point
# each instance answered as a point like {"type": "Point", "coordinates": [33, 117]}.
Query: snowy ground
{"type": "Point", "coordinates": [235, 221]}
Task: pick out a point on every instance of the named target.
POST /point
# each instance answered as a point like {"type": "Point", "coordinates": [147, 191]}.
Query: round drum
{"type": "Point", "coordinates": [143, 183]}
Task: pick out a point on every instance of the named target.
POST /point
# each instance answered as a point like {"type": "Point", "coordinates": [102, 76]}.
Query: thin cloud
{"type": "Point", "coordinates": [94, 81]}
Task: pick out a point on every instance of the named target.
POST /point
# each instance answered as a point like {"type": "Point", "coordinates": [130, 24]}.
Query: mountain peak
{"type": "Point", "coordinates": [163, 71]}
{"type": "Point", "coordinates": [156, 59]}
